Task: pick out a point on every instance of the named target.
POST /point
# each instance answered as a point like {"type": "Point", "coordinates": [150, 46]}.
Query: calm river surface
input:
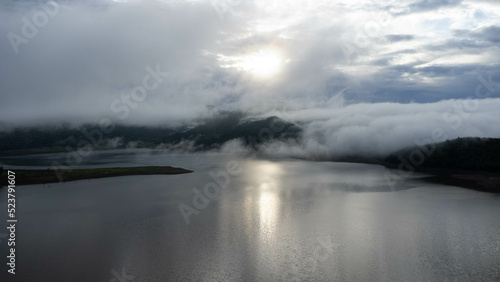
{"type": "Point", "coordinates": [275, 220]}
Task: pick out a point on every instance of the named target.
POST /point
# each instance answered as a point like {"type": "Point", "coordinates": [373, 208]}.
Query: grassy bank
{"type": "Point", "coordinates": [26, 177]}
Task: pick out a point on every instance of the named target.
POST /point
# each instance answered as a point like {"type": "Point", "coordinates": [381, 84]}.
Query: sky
{"type": "Point", "coordinates": [350, 70]}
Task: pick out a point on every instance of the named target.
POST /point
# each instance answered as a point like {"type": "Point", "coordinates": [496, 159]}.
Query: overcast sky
{"type": "Point", "coordinates": [75, 61]}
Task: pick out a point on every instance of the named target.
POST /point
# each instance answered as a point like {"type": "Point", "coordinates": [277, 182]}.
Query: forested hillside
{"type": "Point", "coordinates": [462, 153]}
{"type": "Point", "coordinates": [208, 134]}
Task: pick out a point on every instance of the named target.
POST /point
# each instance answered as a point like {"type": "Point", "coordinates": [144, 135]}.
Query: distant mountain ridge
{"type": "Point", "coordinates": [479, 154]}
{"type": "Point", "coordinates": [233, 126]}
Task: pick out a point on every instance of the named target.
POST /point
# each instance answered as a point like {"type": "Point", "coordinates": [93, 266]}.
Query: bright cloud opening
{"type": "Point", "coordinates": [263, 63]}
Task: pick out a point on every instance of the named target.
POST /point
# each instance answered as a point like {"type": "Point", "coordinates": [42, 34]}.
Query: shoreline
{"type": "Point", "coordinates": [32, 176]}
{"type": "Point", "coordinates": [478, 180]}
{"type": "Point", "coordinates": [483, 181]}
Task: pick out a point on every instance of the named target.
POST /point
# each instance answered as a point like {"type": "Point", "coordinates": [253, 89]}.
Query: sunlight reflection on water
{"type": "Point", "coordinates": [265, 226]}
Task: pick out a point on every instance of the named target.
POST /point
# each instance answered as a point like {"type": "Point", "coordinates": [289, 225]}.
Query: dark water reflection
{"type": "Point", "coordinates": [284, 220]}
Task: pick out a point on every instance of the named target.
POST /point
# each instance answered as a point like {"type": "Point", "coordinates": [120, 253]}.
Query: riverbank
{"type": "Point", "coordinates": [476, 180]}
{"type": "Point", "coordinates": [485, 181]}
{"type": "Point", "coordinates": [27, 177]}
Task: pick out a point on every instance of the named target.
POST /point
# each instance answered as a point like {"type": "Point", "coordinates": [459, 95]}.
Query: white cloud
{"type": "Point", "coordinates": [86, 55]}
{"type": "Point", "coordinates": [381, 128]}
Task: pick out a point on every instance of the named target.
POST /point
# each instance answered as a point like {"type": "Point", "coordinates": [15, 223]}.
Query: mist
{"type": "Point", "coordinates": [175, 63]}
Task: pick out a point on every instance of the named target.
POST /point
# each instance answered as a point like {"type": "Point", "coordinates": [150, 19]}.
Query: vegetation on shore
{"type": "Point", "coordinates": [476, 180]}
{"type": "Point", "coordinates": [473, 160]}
{"type": "Point", "coordinates": [481, 154]}
{"type": "Point", "coordinates": [209, 134]}
{"type": "Point", "coordinates": [26, 177]}
{"type": "Point", "coordinates": [466, 162]}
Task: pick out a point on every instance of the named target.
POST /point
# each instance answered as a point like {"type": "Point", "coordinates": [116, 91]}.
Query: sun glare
{"type": "Point", "coordinates": [263, 63]}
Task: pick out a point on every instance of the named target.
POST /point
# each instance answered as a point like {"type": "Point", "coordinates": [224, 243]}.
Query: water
{"type": "Point", "coordinates": [275, 220]}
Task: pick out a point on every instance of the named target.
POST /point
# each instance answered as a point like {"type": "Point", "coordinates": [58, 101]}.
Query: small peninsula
{"type": "Point", "coordinates": [27, 177]}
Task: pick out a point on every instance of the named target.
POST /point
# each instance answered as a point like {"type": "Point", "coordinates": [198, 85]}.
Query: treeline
{"type": "Point", "coordinates": [470, 153]}
{"type": "Point", "coordinates": [209, 134]}
{"type": "Point", "coordinates": [29, 138]}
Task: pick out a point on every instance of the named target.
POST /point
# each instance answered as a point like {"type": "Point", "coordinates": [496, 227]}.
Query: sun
{"type": "Point", "coordinates": [263, 63]}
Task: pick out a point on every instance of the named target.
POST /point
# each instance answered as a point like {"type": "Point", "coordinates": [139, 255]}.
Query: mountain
{"type": "Point", "coordinates": [32, 139]}
{"type": "Point", "coordinates": [209, 134]}
{"type": "Point", "coordinates": [229, 126]}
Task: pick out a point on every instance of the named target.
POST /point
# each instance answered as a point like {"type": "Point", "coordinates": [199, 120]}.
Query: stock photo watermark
{"type": "Point", "coordinates": [323, 249]}
{"type": "Point", "coordinates": [222, 178]}
{"type": "Point", "coordinates": [31, 26]}
{"type": "Point", "coordinates": [11, 221]}
{"type": "Point", "coordinates": [121, 277]}
{"type": "Point", "coordinates": [211, 190]}
{"type": "Point", "coordinates": [224, 8]}
{"type": "Point", "coordinates": [425, 148]}
{"type": "Point", "coordinates": [372, 30]}
{"type": "Point", "coordinates": [95, 137]}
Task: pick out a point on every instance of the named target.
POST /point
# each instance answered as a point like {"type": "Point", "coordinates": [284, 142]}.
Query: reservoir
{"type": "Point", "coordinates": [238, 218]}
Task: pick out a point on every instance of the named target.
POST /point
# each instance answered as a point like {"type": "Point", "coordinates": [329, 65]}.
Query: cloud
{"type": "Point", "coordinates": [490, 34]}
{"type": "Point", "coordinates": [381, 128]}
{"type": "Point", "coordinates": [399, 37]}
{"type": "Point", "coordinates": [83, 59]}
{"type": "Point", "coordinates": [425, 5]}
{"type": "Point", "coordinates": [91, 55]}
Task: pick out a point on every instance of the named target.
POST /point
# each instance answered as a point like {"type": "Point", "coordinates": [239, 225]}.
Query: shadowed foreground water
{"type": "Point", "coordinates": [276, 220]}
